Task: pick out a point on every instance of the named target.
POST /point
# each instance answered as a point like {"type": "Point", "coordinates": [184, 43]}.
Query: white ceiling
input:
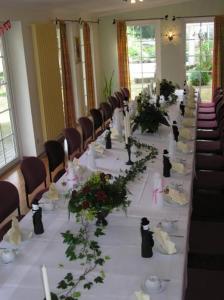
{"type": "Point", "coordinates": [97, 7]}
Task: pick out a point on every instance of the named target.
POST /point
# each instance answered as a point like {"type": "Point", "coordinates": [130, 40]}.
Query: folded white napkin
{"type": "Point", "coordinates": [141, 296]}
{"type": "Point", "coordinates": [14, 235]}
{"type": "Point", "coordinates": [190, 105]}
{"type": "Point", "coordinates": [178, 167]}
{"type": "Point", "coordinates": [183, 147]}
{"type": "Point", "coordinates": [186, 133]}
{"type": "Point", "coordinates": [189, 112]}
{"type": "Point", "coordinates": [53, 192]}
{"type": "Point", "coordinates": [164, 241]}
{"type": "Point", "coordinates": [177, 196]}
{"type": "Point", "coordinates": [188, 122]}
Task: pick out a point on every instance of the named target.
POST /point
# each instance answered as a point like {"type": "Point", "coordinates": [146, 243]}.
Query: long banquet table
{"type": "Point", "coordinates": [126, 270]}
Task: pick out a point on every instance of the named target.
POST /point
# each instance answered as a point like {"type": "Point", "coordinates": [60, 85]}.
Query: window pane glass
{"type": "Point", "coordinates": [2, 157]}
{"type": "Point", "coordinates": [9, 148]}
{"type": "Point", "coordinates": [3, 98]}
{"type": "Point", "coordinates": [5, 122]}
{"type": "Point", "coordinates": [2, 77]}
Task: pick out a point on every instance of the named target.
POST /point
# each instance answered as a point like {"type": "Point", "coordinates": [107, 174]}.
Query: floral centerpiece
{"type": "Point", "coordinates": [149, 117]}
{"type": "Point", "coordinates": [167, 89]}
{"type": "Point", "coordinates": [98, 197]}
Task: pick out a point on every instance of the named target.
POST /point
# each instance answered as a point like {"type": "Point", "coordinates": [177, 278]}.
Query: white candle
{"type": "Point", "coordinates": [46, 283]}
{"type": "Point", "coordinates": [157, 87]}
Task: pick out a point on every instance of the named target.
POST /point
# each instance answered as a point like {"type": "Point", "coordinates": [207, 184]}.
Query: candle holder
{"type": "Point", "coordinates": [158, 101]}
{"type": "Point", "coordinates": [128, 147]}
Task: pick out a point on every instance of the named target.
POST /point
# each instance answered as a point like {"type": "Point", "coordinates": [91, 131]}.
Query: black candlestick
{"type": "Point", "coordinates": [147, 239]}
{"type": "Point", "coordinates": [175, 131]}
{"type": "Point", "coordinates": [157, 101]}
{"type": "Point", "coordinates": [182, 108]}
{"type": "Point", "coordinates": [37, 219]}
{"type": "Point", "coordinates": [128, 147]}
{"type": "Point", "coordinates": [108, 139]}
{"type": "Point", "coordinates": [166, 164]}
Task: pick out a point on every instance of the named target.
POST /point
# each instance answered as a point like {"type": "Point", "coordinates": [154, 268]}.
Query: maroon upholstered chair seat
{"type": "Point", "coordinates": [206, 117]}
{"type": "Point", "coordinates": [73, 138]}
{"type": "Point", "coordinates": [209, 180]}
{"type": "Point", "coordinates": [208, 134]}
{"type": "Point", "coordinates": [206, 110]}
{"type": "Point", "coordinates": [209, 162]}
{"type": "Point", "coordinates": [209, 147]}
{"type": "Point", "coordinates": [34, 174]}
{"type": "Point", "coordinates": [207, 124]}
{"type": "Point", "coordinates": [209, 104]}
{"type": "Point", "coordinates": [56, 157]}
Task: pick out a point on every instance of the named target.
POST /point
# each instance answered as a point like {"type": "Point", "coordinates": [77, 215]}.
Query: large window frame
{"type": "Point", "coordinates": [199, 75]}
{"type": "Point", "coordinates": [7, 131]}
{"type": "Point", "coordinates": [152, 75]}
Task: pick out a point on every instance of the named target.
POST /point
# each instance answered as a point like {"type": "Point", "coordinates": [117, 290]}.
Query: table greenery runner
{"type": "Point", "coordinates": [100, 193]}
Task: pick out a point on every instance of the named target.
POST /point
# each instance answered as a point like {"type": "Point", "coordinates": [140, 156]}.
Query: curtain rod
{"type": "Point", "coordinates": [80, 21]}
{"type": "Point", "coordinates": [166, 17]}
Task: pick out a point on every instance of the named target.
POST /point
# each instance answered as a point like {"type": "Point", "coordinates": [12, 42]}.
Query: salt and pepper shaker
{"type": "Point", "coordinates": [166, 164]}
{"type": "Point", "coordinates": [182, 108]}
{"type": "Point", "coordinates": [175, 131]}
{"type": "Point", "coordinates": [37, 218]}
{"type": "Point", "coordinates": [108, 139]}
{"type": "Point", "coordinates": [147, 239]}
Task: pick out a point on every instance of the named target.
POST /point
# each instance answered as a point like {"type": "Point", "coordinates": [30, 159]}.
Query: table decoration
{"type": "Point", "coordinates": [166, 164]}
{"type": "Point", "coordinates": [147, 239]}
{"type": "Point", "coordinates": [176, 194]}
{"type": "Point", "coordinates": [37, 218]}
{"type": "Point", "coordinates": [108, 138]}
{"type": "Point", "coordinates": [14, 234]}
{"type": "Point", "coordinates": [46, 283]}
{"type": "Point", "coordinates": [167, 89]}
{"type": "Point", "coordinates": [99, 194]}
{"type": "Point", "coordinates": [8, 255]}
{"type": "Point", "coordinates": [175, 131]}
{"type": "Point", "coordinates": [149, 117]}
{"type": "Point", "coordinates": [188, 122]}
{"type": "Point", "coordinates": [52, 193]}
{"type": "Point", "coordinates": [178, 167]}
{"type": "Point", "coordinates": [182, 108]}
{"type": "Point", "coordinates": [183, 147]}
{"type": "Point", "coordinates": [186, 134]}
{"type": "Point", "coordinates": [189, 112]}
{"type": "Point", "coordinates": [141, 296]}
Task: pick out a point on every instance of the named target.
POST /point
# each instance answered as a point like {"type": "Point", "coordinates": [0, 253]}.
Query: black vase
{"type": "Point", "coordinates": [101, 218]}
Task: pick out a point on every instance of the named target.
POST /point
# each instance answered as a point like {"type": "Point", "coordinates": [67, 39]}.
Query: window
{"type": "Point", "coordinates": [142, 55]}
{"type": "Point", "coordinates": [199, 56]}
{"type": "Point", "coordinates": [8, 146]}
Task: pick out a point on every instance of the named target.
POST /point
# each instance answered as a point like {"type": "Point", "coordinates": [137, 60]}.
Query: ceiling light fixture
{"type": "Point", "coordinates": [133, 1]}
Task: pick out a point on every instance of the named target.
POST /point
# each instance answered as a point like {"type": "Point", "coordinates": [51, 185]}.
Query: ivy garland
{"type": "Point", "coordinates": [80, 245]}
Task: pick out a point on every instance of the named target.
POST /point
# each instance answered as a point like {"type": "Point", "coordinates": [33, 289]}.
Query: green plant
{"type": "Point", "coordinates": [167, 88]}
{"type": "Point", "coordinates": [197, 77]}
{"type": "Point", "coordinates": [108, 83]}
{"type": "Point", "coordinates": [149, 116]}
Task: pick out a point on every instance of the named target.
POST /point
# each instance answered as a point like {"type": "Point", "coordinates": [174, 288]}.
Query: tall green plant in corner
{"type": "Point", "coordinates": [108, 84]}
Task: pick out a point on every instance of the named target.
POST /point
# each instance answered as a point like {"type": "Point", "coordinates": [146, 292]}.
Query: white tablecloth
{"type": "Point", "coordinates": [126, 270]}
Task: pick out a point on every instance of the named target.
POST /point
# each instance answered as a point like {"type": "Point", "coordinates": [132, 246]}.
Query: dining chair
{"type": "Point", "coordinates": [9, 198]}
{"type": "Point", "coordinates": [212, 116]}
{"type": "Point", "coordinates": [211, 134]}
{"type": "Point", "coordinates": [212, 103]}
{"type": "Point", "coordinates": [56, 157]}
{"type": "Point", "coordinates": [87, 131]}
{"type": "Point", "coordinates": [120, 97]}
{"type": "Point", "coordinates": [126, 93]}
{"type": "Point", "coordinates": [211, 124]}
{"type": "Point", "coordinates": [34, 174]}
{"type": "Point", "coordinates": [107, 113]}
{"type": "Point", "coordinates": [97, 121]}
{"type": "Point", "coordinates": [210, 107]}
{"type": "Point", "coordinates": [209, 162]}
{"type": "Point", "coordinates": [73, 138]}
{"type": "Point", "coordinates": [113, 102]}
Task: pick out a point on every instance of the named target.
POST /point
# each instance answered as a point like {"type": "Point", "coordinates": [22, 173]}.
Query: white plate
{"type": "Point", "coordinates": [153, 291]}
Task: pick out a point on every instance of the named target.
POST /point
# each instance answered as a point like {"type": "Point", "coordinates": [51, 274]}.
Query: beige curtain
{"type": "Point", "coordinates": [88, 67]}
{"type": "Point", "coordinates": [218, 59]}
{"type": "Point", "coordinates": [69, 106]}
{"type": "Point", "coordinates": [122, 48]}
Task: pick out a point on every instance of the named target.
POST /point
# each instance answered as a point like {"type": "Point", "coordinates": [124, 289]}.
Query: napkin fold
{"type": "Point", "coordinates": [14, 235]}
{"type": "Point", "coordinates": [183, 147]}
{"type": "Point", "coordinates": [189, 112]}
{"type": "Point", "coordinates": [178, 167]}
{"type": "Point", "coordinates": [191, 105]}
{"type": "Point", "coordinates": [164, 241]}
{"type": "Point", "coordinates": [53, 192]}
{"type": "Point", "coordinates": [141, 296]}
{"type": "Point", "coordinates": [186, 133]}
{"type": "Point", "coordinates": [188, 122]}
{"type": "Point", "coordinates": [177, 196]}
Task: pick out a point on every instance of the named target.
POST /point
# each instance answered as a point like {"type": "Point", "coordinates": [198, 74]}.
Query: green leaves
{"type": "Point", "coordinates": [88, 285]}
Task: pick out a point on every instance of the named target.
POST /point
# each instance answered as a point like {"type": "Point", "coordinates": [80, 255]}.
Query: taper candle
{"type": "Point", "coordinates": [46, 283]}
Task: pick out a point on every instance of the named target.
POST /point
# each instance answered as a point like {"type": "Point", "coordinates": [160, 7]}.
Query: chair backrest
{"type": "Point", "coordinates": [87, 129]}
{"type": "Point", "coordinates": [106, 110]}
{"type": "Point", "coordinates": [9, 199]}
{"type": "Point", "coordinates": [126, 93]}
{"type": "Point", "coordinates": [97, 118]}
{"type": "Point", "coordinates": [73, 138]}
{"type": "Point", "coordinates": [113, 102]}
{"type": "Point", "coordinates": [55, 154]}
{"type": "Point", "coordinates": [34, 173]}
{"type": "Point", "coordinates": [120, 97]}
